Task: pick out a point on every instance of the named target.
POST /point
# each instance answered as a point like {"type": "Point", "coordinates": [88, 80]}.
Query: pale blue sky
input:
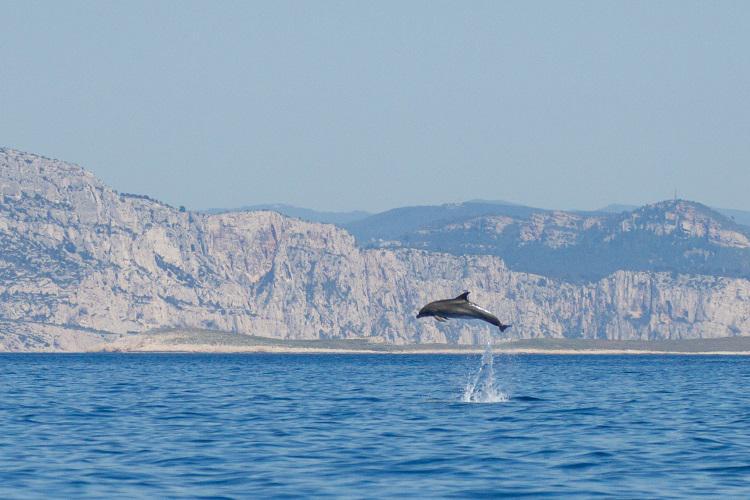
{"type": "Point", "coordinates": [372, 105]}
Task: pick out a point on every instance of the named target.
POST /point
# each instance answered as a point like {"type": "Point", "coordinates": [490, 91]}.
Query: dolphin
{"type": "Point", "coordinates": [460, 307]}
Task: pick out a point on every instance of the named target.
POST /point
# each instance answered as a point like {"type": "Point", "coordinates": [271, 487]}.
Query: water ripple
{"type": "Point", "coordinates": [103, 426]}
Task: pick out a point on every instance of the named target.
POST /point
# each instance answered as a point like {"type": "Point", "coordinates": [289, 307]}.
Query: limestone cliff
{"type": "Point", "coordinates": [75, 253]}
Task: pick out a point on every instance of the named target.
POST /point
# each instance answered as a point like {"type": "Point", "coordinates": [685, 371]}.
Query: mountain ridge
{"type": "Point", "coordinates": [344, 218]}
{"type": "Point", "coordinates": [674, 235]}
{"type": "Point", "coordinates": [310, 215]}
{"type": "Point", "coordinates": [77, 255]}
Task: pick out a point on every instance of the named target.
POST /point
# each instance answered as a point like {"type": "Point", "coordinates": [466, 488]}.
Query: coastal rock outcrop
{"type": "Point", "coordinates": [76, 254]}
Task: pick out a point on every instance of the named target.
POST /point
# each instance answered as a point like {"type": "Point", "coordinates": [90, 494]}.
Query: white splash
{"type": "Point", "coordinates": [482, 387]}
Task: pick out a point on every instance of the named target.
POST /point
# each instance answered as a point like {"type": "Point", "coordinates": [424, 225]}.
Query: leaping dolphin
{"type": "Point", "coordinates": [460, 307]}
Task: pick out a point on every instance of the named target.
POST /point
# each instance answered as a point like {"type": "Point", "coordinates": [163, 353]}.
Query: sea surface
{"type": "Point", "coordinates": [183, 425]}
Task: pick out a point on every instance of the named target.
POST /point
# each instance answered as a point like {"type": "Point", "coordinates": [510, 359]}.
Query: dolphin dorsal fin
{"type": "Point", "coordinates": [463, 296]}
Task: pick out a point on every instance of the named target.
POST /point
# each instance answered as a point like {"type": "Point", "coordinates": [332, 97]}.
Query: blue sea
{"type": "Point", "coordinates": [181, 425]}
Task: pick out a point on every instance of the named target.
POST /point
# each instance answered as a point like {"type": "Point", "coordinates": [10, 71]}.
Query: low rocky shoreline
{"type": "Point", "coordinates": [197, 341]}
{"type": "Point", "coordinates": [21, 336]}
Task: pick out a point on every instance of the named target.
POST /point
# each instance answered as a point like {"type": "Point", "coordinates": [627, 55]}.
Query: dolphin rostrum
{"type": "Point", "coordinates": [460, 307]}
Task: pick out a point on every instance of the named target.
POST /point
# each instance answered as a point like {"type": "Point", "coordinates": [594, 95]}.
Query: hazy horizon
{"type": "Point", "coordinates": [337, 106]}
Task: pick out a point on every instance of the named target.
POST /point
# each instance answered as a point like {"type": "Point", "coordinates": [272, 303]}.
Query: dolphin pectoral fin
{"type": "Point", "coordinates": [441, 319]}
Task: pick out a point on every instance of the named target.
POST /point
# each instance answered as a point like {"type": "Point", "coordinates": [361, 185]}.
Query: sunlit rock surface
{"type": "Point", "coordinates": [79, 255]}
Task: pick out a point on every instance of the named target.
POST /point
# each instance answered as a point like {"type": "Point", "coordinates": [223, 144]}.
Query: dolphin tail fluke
{"type": "Point", "coordinates": [503, 327]}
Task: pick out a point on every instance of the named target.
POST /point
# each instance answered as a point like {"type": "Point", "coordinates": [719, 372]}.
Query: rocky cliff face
{"type": "Point", "coordinates": [76, 253]}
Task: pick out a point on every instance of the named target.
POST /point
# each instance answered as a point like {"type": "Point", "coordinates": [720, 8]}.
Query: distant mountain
{"type": "Point", "coordinates": [397, 221]}
{"type": "Point", "coordinates": [673, 236]}
{"type": "Point", "coordinates": [338, 218]}
{"type": "Point", "coordinates": [493, 202]}
{"type": "Point", "coordinates": [616, 208]}
{"type": "Point", "coordinates": [400, 222]}
{"type": "Point", "coordinates": [738, 216]}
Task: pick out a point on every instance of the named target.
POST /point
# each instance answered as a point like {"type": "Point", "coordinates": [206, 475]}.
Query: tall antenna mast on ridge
{"type": "Point", "coordinates": [675, 194]}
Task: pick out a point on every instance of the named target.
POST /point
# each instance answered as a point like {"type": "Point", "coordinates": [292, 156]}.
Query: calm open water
{"type": "Point", "coordinates": [119, 425]}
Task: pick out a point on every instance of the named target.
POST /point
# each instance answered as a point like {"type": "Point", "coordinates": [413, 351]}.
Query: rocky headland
{"type": "Point", "coordinates": [81, 264]}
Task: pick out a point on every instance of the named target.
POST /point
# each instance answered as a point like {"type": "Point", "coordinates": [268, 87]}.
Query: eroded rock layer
{"type": "Point", "coordinates": [76, 253]}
